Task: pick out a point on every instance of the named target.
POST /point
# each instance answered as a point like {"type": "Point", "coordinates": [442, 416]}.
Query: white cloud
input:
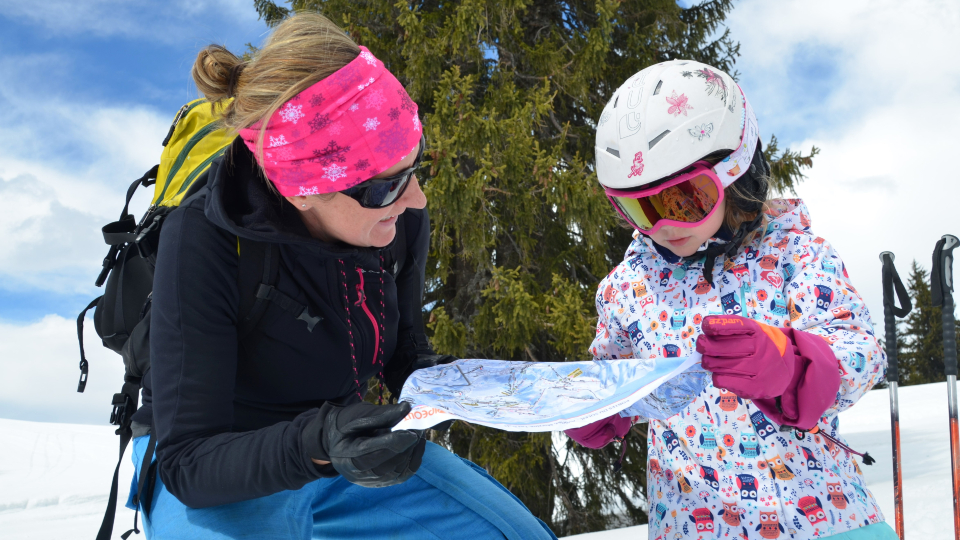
{"type": "Point", "coordinates": [887, 96]}
{"type": "Point", "coordinates": [44, 244]}
{"type": "Point", "coordinates": [64, 169]}
{"type": "Point", "coordinates": [138, 19]}
{"type": "Point", "coordinates": [39, 373]}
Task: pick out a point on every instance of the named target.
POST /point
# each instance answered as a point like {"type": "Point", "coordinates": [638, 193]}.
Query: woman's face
{"type": "Point", "coordinates": [340, 218]}
{"type": "Point", "coordinates": [684, 241]}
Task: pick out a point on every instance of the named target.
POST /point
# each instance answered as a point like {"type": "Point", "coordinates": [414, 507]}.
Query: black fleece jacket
{"type": "Point", "coordinates": [236, 417]}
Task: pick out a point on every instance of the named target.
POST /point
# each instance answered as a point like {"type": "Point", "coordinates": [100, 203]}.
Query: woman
{"type": "Point", "coordinates": [786, 340]}
{"type": "Point", "coordinates": [262, 433]}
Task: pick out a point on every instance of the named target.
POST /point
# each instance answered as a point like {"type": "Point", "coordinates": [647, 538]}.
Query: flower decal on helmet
{"type": "Point", "coordinates": [678, 104]}
{"type": "Point", "coordinates": [637, 168]}
{"type": "Point", "coordinates": [701, 131]}
{"type": "Point", "coordinates": [715, 82]}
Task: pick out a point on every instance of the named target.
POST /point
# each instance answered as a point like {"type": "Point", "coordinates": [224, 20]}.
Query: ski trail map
{"type": "Point", "coordinates": [532, 396]}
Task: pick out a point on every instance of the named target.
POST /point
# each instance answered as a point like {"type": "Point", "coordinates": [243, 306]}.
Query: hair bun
{"type": "Point", "coordinates": [216, 72]}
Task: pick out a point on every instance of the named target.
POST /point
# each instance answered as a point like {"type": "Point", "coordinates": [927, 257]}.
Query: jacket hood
{"type": "Point", "coordinates": [783, 214]}
{"type": "Point", "coordinates": [240, 201]}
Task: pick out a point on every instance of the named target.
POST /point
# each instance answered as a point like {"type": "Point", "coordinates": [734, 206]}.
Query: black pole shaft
{"type": "Point", "coordinates": [949, 335]}
{"type": "Point", "coordinates": [893, 379]}
{"type": "Point", "coordinates": [941, 287]}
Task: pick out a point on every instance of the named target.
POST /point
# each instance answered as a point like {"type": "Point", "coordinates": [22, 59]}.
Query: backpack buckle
{"type": "Point", "coordinates": [122, 405]}
{"type": "Point", "coordinates": [144, 241]}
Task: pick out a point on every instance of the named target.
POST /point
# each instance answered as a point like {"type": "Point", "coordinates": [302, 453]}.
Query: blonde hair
{"type": "Point", "coordinates": [302, 50]}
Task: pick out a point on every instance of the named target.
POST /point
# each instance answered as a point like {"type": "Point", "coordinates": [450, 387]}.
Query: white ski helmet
{"type": "Point", "coordinates": [669, 116]}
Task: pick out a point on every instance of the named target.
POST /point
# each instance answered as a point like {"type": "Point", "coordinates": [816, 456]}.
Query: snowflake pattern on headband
{"type": "Point", "coordinates": [406, 103]}
{"type": "Point", "coordinates": [319, 122]}
{"type": "Point", "coordinates": [374, 100]}
{"type": "Point", "coordinates": [332, 153]}
{"type": "Point", "coordinates": [313, 157]}
{"type": "Point", "coordinates": [370, 59]}
{"type": "Point", "coordinates": [393, 140]}
{"type": "Point", "coordinates": [291, 113]}
{"type": "Point", "coordinates": [334, 172]}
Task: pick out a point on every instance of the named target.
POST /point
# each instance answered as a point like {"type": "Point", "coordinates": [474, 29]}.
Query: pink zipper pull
{"type": "Point", "coordinates": [362, 301]}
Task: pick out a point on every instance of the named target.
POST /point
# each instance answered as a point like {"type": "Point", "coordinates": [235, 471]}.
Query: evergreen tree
{"type": "Point", "coordinates": [921, 334]}
{"type": "Point", "coordinates": [508, 91]}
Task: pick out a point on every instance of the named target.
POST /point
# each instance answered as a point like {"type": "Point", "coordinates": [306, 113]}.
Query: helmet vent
{"type": "Point", "coordinates": [613, 152]}
{"type": "Point", "coordinates": [657, 91]}
{"type": "Point", "coordinates": [615, 100]}
{"type": "Point", "coordinates": [658, 138]}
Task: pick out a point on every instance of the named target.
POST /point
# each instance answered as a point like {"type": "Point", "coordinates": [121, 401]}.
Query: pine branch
{"type": "Point", "coordinates": [269, 12]}
{"type": "Point", "coordinates": [786, 169]}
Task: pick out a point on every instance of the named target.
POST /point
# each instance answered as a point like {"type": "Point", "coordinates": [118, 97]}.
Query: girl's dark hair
{"type": "Point", "coordinates": [747, 196]}
{"type": "Point", "coordinates": [745, 201]}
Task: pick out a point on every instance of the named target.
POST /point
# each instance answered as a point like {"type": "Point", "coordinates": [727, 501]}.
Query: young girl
{"type": "Point", "coordinates": [751, 451]}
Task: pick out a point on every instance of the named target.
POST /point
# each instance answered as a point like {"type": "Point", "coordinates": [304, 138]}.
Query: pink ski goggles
{"type": "Point", "coordinates": [684, 201]}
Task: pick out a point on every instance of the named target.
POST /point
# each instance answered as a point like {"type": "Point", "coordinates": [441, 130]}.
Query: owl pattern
{"type": "Point", "coordinates": [751, 476]}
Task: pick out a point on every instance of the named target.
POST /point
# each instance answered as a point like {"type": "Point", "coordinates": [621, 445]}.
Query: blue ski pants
{"type": "Point", "coordinates": [448, 498]}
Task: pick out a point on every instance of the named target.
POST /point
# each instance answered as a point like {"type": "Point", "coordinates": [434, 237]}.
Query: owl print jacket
{"type": "Point", "coordinates": [720, 468]}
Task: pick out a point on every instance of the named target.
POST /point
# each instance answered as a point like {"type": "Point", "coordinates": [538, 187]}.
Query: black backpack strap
{"type": "Point", "coordinates": [257, 277]}
{"type": "Point", "coordinates": [145, 484]}
{"type": "Point", "coordinates": [291, 306]}
{"type": "Point", "coordinates": [259, 265]}
{"type": "Point", "coordinates": [106, 527]}
{"type": "Point", "coordinates": [84, 365]}
{"type": "Point", "coordinates": [123, 231]}
{"type": "Point", "coordinates": [124, 405]}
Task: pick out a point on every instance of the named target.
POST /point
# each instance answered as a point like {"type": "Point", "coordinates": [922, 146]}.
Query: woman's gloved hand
{"type": "Point", "coordinates": [790, 375]}
{"type": "Point", "coordinates": [602, 432]}
{"type": "Point", "coordinates": [356, 439]}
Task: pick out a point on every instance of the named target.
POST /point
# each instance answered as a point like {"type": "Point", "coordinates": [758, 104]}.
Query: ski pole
{"type": "Point", "coordinates": [941, 287]}
{"type": "Point", "coordinates": [891, 283]}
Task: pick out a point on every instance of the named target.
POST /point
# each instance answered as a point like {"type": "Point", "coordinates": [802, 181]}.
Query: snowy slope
{"type": "Point", "coordinates": [55, 478]}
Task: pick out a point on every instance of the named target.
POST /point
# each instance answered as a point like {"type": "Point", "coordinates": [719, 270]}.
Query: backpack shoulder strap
{"type": "Point", "coordinates": [259, 264]}
{"type": "Point", "coordinates": [258, 275]}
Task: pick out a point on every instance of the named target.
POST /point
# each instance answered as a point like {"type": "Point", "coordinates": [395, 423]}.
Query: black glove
{"type": "Point", "coordinates": [357, 441]}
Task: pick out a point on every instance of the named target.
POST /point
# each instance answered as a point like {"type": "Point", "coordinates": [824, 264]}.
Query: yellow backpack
{"type": "Point", "coordinates": [195, 139]}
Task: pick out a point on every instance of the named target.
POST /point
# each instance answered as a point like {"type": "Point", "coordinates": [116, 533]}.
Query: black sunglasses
{"type": "Point", "coordinates": [382, 192]}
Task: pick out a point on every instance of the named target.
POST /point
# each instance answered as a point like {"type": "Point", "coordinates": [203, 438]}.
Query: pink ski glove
{"type": "Point", "coordinates": [791, 376]}
{"type": "Point", "coordinates": [601, 432]}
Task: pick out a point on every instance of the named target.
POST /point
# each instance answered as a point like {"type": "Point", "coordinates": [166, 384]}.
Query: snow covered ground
{"type": "Point", "coordinates": [55, 478]}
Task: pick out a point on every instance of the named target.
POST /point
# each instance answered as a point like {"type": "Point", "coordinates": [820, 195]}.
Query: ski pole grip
{"type": "Point", "coordinates": [890, 323]}
{"type": "Point", "coordinates": [941, 287]}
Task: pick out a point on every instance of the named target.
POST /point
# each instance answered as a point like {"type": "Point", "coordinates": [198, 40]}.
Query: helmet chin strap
{"type": "Point", "coordinates": [727, 250]}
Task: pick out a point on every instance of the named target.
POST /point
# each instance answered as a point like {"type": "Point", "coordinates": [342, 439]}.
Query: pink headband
{"type": "Point", "coordinates": [343, 130]}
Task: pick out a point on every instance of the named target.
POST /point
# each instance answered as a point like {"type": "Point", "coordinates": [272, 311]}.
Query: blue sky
{"type": "Point", "coordinates": [139, 57]}
{"type": "Point", "coordinates": [87, 91]}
